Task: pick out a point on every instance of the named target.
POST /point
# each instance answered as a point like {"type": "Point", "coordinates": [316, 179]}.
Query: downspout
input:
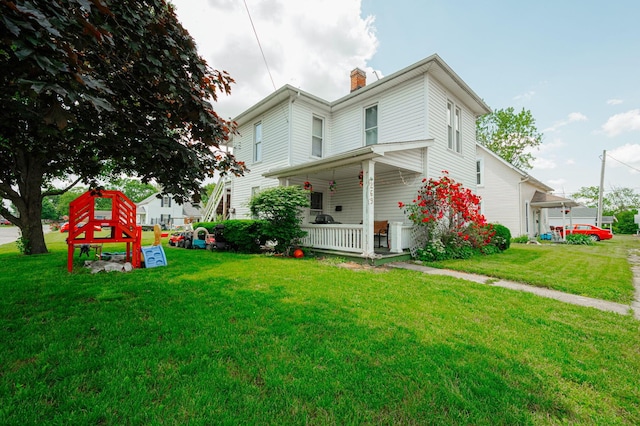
{"type": "Point", "coordinates": [520, 202]}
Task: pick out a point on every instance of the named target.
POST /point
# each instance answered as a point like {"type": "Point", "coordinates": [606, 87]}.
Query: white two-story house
{"type": "Point", "coordinates": [163, 210]}
{"type": "Point", "coordinates": [361, 154]}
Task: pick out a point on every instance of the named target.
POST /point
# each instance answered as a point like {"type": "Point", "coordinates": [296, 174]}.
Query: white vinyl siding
{"type": "Point", "coordinates": [402, 112]}
{"type": "Point", "coordinates": [275, 154]}
{"type": "Point", "coordinates": [371, 125]}
{"type": "Point", "coordinates": [461, 167]}
{"type": "Point", "coordinates": [317, 136]}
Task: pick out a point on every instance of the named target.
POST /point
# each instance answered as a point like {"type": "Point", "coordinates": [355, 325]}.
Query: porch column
{"type": "Point", "coordinates": [395, 233]}
{"type": "Point", "coordinates": [368, 201]}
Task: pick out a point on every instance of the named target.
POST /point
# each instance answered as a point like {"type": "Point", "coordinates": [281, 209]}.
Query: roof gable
{"type": "Point", "coordinates": [433, 65]}
{"type": "Point", "coordinates": [535, 182]}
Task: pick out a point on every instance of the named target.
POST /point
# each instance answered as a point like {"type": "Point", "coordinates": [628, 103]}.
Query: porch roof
{"type": "Point", "coordinates": [543, 200]}
{"type": "Point", "coordinates": [354, 156]}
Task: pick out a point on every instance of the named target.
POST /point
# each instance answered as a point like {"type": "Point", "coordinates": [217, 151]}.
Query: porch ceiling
{"type": "Point", "coordinates": [348, 163]}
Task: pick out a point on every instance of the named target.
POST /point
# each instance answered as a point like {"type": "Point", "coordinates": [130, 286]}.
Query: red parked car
{"type": "Point", "coordinates": [594, 232]}
{"type": "Point", "coordinates": [65, 227]}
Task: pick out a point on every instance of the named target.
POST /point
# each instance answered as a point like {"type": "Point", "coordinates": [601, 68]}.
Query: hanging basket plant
{"type": "Point", "coordinates": [333, 186]}
{"type": "Point", "coordinates": [307, 186]}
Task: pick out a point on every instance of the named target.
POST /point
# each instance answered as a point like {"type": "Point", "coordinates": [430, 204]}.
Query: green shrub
{"type": "Point", "coordinates": [244, 235]}
{"type": "Point", "coordinates": [522, 239]}
{"type": "Point", "coordinates": [280, 207]}
{"type": "Point", "coordinates": [209, 226]}
{"type": "Point", "coordinates": [241, 235]}
{"type": "Point", "coordinates": [579, 239]}
{"type": "Point", "coordinates": [502, 237]}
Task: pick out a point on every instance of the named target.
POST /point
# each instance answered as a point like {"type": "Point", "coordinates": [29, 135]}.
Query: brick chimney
{"type": "Point", "coordinates": [358, 79]}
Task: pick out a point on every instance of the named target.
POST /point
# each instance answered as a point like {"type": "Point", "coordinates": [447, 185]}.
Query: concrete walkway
{"type": "Point", "coordinates": [603, 305]}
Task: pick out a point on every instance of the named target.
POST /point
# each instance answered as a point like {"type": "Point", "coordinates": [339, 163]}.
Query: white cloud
{"type": "Point", "coordinates": [557, 183]}
{"type": "Point", "coordinates": [525, 96]}
{"type": "Point", "coordinates": [621, 123]}
{"type": "Point", "coordinates": [628, 154]}
{"type": "Point", "coordinates": [571, 118]}
{"type": "Point", "coordinates": [310, 45]}
{"type": "Point", "coordinates": [614, 101]}
{"type": "Point", "coordinates": [551, 146]}
{"type": "Point", "coordinates": [541, 163]}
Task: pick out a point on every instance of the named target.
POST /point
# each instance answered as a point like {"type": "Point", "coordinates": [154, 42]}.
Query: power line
{"type": "Point", "coordinates": [624, 164]}
{"type": "Point", "coordinates": [260, 46]}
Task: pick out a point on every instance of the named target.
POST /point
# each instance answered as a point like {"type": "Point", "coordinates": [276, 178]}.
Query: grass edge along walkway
{"type": "Point", "coordinates": [574, 299]}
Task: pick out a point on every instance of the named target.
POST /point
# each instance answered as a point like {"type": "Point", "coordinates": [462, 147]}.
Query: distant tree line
{"type": "Point", "coordinates": [623, 203]}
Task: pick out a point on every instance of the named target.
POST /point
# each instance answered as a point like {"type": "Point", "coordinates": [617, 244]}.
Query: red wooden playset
{"type": "Point", "coordinates": [83, 224]}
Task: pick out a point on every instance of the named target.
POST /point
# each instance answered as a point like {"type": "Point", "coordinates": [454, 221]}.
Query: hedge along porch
{"type": "Point", "coordinates": [122, 224]}
{"type": "Point", "coordinates": [360, 187]}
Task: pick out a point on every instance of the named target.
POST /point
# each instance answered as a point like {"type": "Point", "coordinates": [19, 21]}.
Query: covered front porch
{"type": "Point", "coordinates": [360, 189]}
{"type": "Point", "coordinates": [541, 200]}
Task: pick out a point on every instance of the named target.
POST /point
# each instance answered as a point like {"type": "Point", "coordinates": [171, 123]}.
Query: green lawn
{"type": "Point", "coordinates": [601, 271]}
{"type": "Point", "coordinates": [221, 338]}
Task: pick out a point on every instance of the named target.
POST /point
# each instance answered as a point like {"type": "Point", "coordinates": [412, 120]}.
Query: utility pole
{"type": "Point", "coordinates": [600, 193]}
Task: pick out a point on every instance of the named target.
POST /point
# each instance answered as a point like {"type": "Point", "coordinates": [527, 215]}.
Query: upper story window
{"type": "Point", "coordinates": [479, 172]}
{"type": "Point", "coordinates": [454, 127]}
{"type": "Point", "coordinates": [371, 125]}
{"type": "Point", "coordinates": [165, 201]}
{"type": "Point", "coordinates": [317, 137]}
{"type": "Point", "coordinates": [257, 142]}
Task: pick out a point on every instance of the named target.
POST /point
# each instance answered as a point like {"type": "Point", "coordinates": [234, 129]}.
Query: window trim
{"type": "Point", "coordinates": [377, 126]}
{"type": "Point", "coordinates": [457, 129]}
{"type": "Point", "coordinates": [321, 137]}
{"type": "Point", "coordinates": [454, 127]}
{"type": "Point", "coordinates": [314, 196]}
{"type": "Point", "coordinates": [257, 143]}
{"type": "Point", "coordinates": [480, 172]}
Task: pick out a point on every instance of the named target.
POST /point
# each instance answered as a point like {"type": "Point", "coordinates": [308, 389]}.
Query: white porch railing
{"type": "Point", "coordinates": [333, 237]}
{"type": "Point", "coordinates": [348, 238]}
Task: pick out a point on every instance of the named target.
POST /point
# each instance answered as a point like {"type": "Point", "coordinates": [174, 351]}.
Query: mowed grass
{"type": "Point", "coordinates": [601, 271]}
{"type": "Point", "coordinates": [222, 338]}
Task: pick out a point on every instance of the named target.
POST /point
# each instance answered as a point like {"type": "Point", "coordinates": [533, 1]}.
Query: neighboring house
{"type": "Point", "coordinates": [165, 211]}
{"type": "Point", "coordinates": [586, 215]}
{"type": "Point", "coordinates": [507, 193]}
{"type": "Point", "coordinates": [375, 144]}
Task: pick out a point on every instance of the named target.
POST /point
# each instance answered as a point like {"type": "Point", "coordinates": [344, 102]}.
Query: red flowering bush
{"type": "Point", "coordinates": [450, 215]}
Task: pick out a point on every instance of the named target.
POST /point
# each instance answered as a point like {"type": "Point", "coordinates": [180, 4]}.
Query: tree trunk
{"type": "Point", "coordinates": [33, 236]}
{"type": "Point", "coordinates": [30, 208]}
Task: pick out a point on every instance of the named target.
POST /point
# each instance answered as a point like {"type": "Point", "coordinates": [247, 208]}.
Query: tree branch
{"type": "Point", "coordinates": [60, 191]}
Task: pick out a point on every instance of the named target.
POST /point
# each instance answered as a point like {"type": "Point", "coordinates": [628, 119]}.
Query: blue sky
{"type": "Point", "coordinates": [574, 64]}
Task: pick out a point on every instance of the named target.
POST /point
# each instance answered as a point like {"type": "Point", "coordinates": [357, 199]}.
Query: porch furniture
{"type": "Point", "coordinates": [324, 219]}
{"type": "Point", "coordinates": [380, 230]}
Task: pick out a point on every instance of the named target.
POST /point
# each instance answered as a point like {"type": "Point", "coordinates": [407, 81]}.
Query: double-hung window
{"type": "Point", "coordinates": [454, 127]}
{"type": "Point", "coordinates": [257, 142]}
{"type": "Point", "coordinates": [165, 201]}
{"type": "Point", "coordinates": [371, 125]}
{"type": "Point", "coordinates": [317, 136]}
{"type": "Point", "coordinates": [479, 172]}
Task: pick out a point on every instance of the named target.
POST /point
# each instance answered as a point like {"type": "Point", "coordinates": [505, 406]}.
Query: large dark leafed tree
{"type": "Point", "coordinates": [511, 135]}
{"type": "Point", "coordinates": [103, 87]}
